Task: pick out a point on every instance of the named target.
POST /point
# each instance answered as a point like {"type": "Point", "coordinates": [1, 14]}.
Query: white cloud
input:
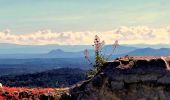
{"type": "Point", "coordinates": [126, 35]}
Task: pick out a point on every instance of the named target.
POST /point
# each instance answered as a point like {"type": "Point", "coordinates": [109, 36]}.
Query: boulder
{"type": "Point", "coordinates": [140, 78]}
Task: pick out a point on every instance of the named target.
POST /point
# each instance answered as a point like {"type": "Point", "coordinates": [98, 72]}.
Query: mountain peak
{"type": "Point", "coordinates": [56, 51]}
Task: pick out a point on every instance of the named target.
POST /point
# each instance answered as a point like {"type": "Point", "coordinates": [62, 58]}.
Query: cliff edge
{"type": "Point", "coordinates": [127, 78]}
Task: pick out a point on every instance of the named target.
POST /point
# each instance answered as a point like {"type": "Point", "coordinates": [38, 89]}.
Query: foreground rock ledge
{"type": "Point", "coordinates": [127, 78]}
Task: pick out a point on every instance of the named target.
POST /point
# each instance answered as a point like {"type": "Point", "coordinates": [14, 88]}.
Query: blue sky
{"type": "Point", "coordinates": [25, 16]}
{"type": "Point", "coordinates": [39, 22]}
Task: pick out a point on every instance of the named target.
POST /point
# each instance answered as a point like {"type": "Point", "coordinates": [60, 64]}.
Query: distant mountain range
{"type": "Point", "coordinates": [136, 52]}
{"type": "Point", "coordinates": [68, 51]}
{"type": "Point", "coordinates": [54, 51]}
{"type": "Point", "coordinates": [6, 48]}
{"type": "Point", "coordinates": [150, 52]}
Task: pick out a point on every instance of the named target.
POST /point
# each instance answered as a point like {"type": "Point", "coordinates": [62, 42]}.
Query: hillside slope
{"type": "Point", "coordinates": [62, 77]}
{"type": "Point", "coordinates": [128, 78]}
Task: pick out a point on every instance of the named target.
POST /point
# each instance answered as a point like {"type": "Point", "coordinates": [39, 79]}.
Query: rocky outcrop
{"type": "Point", "coordinates": [127, 78]}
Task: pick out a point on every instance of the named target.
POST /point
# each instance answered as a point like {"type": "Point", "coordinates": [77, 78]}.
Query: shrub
{"type": "Point", "coordinates": [100, 59]}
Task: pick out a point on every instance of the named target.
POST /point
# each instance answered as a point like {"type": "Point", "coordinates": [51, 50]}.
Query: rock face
{"type": "Point", "coordinates": [128, 78]}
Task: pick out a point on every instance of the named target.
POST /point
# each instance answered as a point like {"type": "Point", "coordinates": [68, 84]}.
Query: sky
{"type": "Point", "coordinates": [76, 22]}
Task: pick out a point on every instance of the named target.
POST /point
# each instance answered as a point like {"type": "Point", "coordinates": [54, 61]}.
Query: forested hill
{"type": "Point", "coordinates": [53, 78]}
